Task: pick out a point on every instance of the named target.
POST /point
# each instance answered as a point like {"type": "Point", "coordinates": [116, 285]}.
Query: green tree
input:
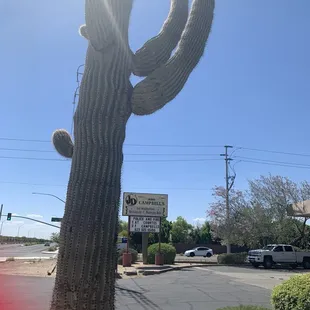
{"type": "Point", "coordinates": [180, 231]}
{"type": "Point", "coordinates": [205, 233]}
{"type": "Point", "coordinates": [123, 228]}
{"type": "Point", "coordinates": [200, 234]}
{"type": "Point", "coordinates": [55, 237]}
{"type": "Point", "coordinates": [87, 257]}
{"type": "Point", "coordinates": [166, 227]}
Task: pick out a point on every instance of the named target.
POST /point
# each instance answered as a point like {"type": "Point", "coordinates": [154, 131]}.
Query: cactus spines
{"type": "Point", "coordinates": [63, 143]}
{"type": "Point", "coordinates": [87, 256]}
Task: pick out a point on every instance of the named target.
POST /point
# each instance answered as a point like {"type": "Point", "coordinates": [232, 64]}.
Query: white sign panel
{"type": "Point", "coordinates": [145, 204]}
{"type": "Point", "coordinates": [144, 224]}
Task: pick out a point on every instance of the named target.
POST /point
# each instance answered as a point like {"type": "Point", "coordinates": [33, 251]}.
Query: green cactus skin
{"type": "Point", "coordinates": [87, 257]}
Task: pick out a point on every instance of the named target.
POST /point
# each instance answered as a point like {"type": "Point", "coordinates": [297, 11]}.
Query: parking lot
{"type": "Point", "coordinates": [259, 277]}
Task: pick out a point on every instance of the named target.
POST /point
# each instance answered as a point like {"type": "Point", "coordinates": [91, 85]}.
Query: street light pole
{"type": "Point", "coordinates": [46, 194]}
{"type": "Point", "coordinates": [29, 231]}
{"type": "Point", "coordinates": [19, 229]}
{"type": "Point", "coordinates": [1, 228]}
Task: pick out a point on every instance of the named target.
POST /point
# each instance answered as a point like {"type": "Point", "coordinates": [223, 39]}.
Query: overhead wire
{"type": "Point", "coordinates": [128, 161]}
{"type": "Point", "coordinates": [271, 161]}
{"type": "Point", "coordinates": [130, 188]}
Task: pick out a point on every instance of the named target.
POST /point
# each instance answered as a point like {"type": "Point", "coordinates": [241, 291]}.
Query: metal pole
{"type": "Point", "coordinates": [227, 159]}
{"type": "Point", "coordinates": [31, 219]}
{"type": "Point", "coordinates": [1, 227]}
{"type": "Point", "coordinates": [145, 242]}
{"type": "Point", "coordinates": [128, 233]}
{"type": "Point", "coordinates": [1, 208]}
{"type": "Point", "coordinates": [159, 237]}
{"type": "Point", "coordinates": [46, 194]}
{"type": "Point", "coordinates": [19, 229]}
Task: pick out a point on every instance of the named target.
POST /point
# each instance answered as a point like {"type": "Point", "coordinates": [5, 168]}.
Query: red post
{"type": "Point", "coordinates": [127, 256]}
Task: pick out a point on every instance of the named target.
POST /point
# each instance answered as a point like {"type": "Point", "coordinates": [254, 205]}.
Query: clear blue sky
{"type": "Point", "coordinates": [251, 89]}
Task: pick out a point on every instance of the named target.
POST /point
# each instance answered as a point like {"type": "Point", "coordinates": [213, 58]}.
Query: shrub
{"type": "Point", "coordinates": [52, 248]}
{"type": "Point", "coordinates": [232, 258]}
{"type": "Point", "coordinates": [167, 250]}
{"type": "Point", "coordinates": [292, 294]}
{"type": "Point", "coordinates": [10, 259]}
{"type": "Point", "coordinates": [244, 308]}
{"type": "Point", "coordinates": [134, 255]}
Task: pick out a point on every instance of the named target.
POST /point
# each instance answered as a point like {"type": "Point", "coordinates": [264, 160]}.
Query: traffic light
{"type": "Point", "coordinates": [9, 217]}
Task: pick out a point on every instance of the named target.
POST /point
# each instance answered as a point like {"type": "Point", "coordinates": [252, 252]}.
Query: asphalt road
{"type": "Point", "coordinates": [188, 289]}
{"type": "Point", "coordinates": [16, 250]}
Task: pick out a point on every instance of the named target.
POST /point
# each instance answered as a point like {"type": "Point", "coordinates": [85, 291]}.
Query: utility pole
{"type": "Point", "coordinates": [227, 160]}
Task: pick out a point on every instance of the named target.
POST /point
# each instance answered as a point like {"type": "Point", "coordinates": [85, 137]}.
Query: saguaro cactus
{"type": "Point", "coordinates": [87, 257]}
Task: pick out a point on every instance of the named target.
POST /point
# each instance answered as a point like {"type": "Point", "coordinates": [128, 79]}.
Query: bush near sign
{"type": "Point", "coordinates": [138, 204]}
{"type": "Point", "coordinates": [144, 224]}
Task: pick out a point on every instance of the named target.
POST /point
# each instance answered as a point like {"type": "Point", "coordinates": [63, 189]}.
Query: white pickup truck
{"type": "Point", "coordinates": [279, 254]}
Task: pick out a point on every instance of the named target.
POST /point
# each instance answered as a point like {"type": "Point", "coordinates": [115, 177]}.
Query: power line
{"type": "Point", "coordinates": [274, 164]}
{"type": "Point", "coordinates": [24, 140]}
{"type": "Point", "coordinates": [127, 161]}
{"type": "Point", "coordinates": [35, 158]}
{"type": "Point", "coordinates": [127, 154]}
{"type": "Point", "coordinates": [125, 144]}
{"type": "Point", "coordinates": [272, 161]}
{"type": "Point", "coordinates": [133, 188]}
{"type": "Point", "coordinates": [174, 145]}
{"type": "Point", "coordinates": [25, 150]}
{"type": "Point", "coordinates": [275, 152]}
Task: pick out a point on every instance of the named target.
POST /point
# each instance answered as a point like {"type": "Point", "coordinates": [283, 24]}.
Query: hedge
{"type": "Point", "coordinates": [292, 294]}
{"type": "Point", "coordinates": [232, 258]}
{"type": "Point", "coordinates": [167, 250]}
{"type": "Point", "coordinates": [244, 308]}
{"type": "Point", "coordinates": [134, 256]}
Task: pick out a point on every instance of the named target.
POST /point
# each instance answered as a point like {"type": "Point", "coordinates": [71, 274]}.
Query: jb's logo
{"type": "Point", "coordinates": [131, 200]}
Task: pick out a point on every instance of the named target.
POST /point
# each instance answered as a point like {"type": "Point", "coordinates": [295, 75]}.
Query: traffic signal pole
{"type": "Point", "coordinates": [31, 219]}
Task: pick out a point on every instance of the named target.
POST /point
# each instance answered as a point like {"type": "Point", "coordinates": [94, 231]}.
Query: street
{"type": "Point", "coordinates": [188, 289]}
{"type": "Point", "coordinates": [16, 250]}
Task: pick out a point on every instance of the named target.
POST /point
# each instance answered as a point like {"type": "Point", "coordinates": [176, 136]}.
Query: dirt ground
{"type": "Point", "coordinates": [28, 268]}
{"type": "Point", "coordinates": [38, 268]}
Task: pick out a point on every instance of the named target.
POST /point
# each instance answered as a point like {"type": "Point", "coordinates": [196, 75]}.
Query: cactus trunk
{"type": "Point", "coordinates": [87, 258]}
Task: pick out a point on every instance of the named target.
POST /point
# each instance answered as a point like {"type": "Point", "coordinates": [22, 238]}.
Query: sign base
{"type": "Point", "coordinates": [126, 259]}
{"type": "Point", "coordinates": [159, 259]}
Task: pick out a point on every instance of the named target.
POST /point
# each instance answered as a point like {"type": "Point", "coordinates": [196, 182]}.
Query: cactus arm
{"type": "Point", "coordinates": [63, 143]}
{"type": "Point", "coordinates": [164, 84]}
{"type": "Point", "coordinates": [157, 50]}
{"type": "Point", "coordinates": [83, 32]}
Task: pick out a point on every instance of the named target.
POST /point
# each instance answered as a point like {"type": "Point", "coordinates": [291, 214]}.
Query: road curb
{"type": "Point", "coordinates": [170, 268]}
{"type": "Point", "coordinates": [4, 259]}
{"type": "Point", "coordinates": [150, 272]}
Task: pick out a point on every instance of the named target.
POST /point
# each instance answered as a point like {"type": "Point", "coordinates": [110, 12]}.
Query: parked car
{"type": "Point", "coordinates": [279, 254]}
{"type": "Point", "coordinates": [200, 251]}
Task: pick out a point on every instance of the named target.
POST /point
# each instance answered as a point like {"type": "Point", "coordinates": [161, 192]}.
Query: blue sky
{"type": "Point", "coordinates": [250, 90]}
